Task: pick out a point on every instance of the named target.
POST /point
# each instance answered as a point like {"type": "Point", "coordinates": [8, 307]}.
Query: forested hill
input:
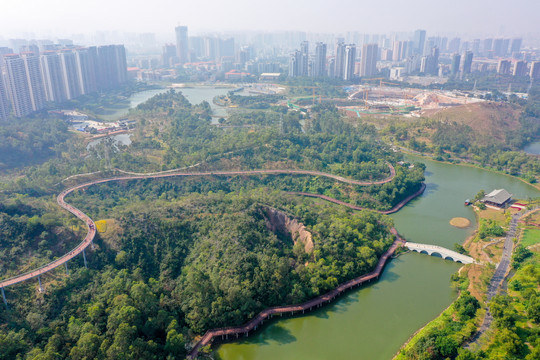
{"type": "Point", "coordinates": [175, 134]}
{"type": "Point", "coordinates": [168, 269]}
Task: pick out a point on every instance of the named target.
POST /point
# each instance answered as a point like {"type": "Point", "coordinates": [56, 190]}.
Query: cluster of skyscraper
{"type": "Point", "coordinates": [418, 55]}
{"type": "Point", "coordinates": [342, 65]}
{"type": "Point", "coordinates": [31, 78]}
{"type": "Point", "coordinates": [196, 48]}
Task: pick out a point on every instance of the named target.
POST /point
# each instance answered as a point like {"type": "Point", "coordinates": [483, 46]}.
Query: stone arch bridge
{"type": "Point", "coordinates": [443, 252]}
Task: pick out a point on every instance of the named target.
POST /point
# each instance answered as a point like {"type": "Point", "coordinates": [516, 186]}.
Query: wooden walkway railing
{"type": "Point", "coordinates": [70, 255]}
{"type": "Point", "coordinates": [396, 208]}
{"type": "Point", "coordinates": [252, 325]}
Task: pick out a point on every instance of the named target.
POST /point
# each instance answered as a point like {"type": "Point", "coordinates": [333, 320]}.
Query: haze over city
{"type": "Point", "coordinates": [60, 17]}
{"type": "Point", "coordinates": [308, 179]}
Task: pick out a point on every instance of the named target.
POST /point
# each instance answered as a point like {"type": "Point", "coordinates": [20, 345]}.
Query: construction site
{"type": "Point", "coordinates": [378, 97]}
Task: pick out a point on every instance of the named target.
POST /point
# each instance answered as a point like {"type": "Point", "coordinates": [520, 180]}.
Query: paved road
{"type": "Point", "coordinates": [92, 228]}
{"type": "Point", "coordinates": [500, 272]}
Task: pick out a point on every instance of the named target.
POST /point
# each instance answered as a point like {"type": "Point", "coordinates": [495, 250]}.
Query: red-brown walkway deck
{"type": "Point", "coordinates": [92, 229]}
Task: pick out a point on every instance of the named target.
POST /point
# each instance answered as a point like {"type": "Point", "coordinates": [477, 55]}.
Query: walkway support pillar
{"type": "Point", "coordinates": [40, 287]}
{"type": "Point", "coordinates": [84, 258]}
{"type": "Point", "coordinates": [4, 297]}
{"type": "Point", "coordinates": [67, 271]}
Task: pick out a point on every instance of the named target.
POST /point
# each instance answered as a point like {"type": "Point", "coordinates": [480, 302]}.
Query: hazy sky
{"type": "Point", "coordinates": [490, 17]}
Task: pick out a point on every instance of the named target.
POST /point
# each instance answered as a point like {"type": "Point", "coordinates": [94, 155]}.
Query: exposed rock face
{"type": "Point", "coordinates": [279, 222]}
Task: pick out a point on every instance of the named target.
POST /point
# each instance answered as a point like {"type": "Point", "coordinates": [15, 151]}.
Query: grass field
{"type": "Point", "coordinates": [530, 236]}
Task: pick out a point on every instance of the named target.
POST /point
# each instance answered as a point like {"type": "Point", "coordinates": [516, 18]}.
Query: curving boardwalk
{"type": "Point", "coordinates": [396, 208]}
{"type": "Point", "coordinates": [92, 229]}
{"type": "Point", "coordinates": [70, 255]}
{"type": "Point", "coordinates": [236, 332]}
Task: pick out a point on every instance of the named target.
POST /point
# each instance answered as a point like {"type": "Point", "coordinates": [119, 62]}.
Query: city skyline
{"type": "Point", "coordinates": [481, 17]}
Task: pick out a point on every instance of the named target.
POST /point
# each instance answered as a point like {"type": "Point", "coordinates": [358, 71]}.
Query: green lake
{"type": "Point", "coordinates": [195, 95]}
{"type": "Point", "coordinates": [373, 322]}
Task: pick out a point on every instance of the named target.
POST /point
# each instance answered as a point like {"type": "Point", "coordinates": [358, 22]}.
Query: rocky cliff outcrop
{"type": "Point", "coordinates": [281, 223]}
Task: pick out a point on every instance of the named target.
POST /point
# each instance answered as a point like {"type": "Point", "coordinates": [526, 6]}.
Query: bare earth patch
{"type": "Point", "coordinates": [460, 222]}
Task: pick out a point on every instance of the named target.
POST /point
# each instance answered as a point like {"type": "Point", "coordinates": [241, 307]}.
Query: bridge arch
{"type": "Point", "coordinates": [440, 252]}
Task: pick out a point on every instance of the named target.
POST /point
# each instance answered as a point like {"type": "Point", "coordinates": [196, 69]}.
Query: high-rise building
{"type": "Point", "coordinates": [401, 50]}
{"type": "Point", "coordinates": [32, 79]}
{"type": "Point", "coordinates": [424, 64]}
{"type": "Point", "coordinates": [467, 62]}
{"type": "Point", "coordinates": [182, 44]}
{"type": "Point", "coordinates": [30, 48]}
{"type": "Point", "coordinates": [368, 62]}
{"type": "Point", "coordinates": [456, 59]}
{"type": "Point", "coordinates": [18, 88]}
{"type": "Point", "coordinates": [35, 81]}
{"type": "Point", "coordinates": [520, 68]}
{"type": "Point", "coordinates": [498, 49]}
{"type": "Point", "coordinates": [304, 59]}
{"type": "Point", "coordinates": [226, 48]}
{"type": "Point", "coordinates": [454, 45]}
{"type": "Point", "coordinates": [243, 55]}
{"type": "Point", "coordinates": [350, 60]}
{"type": "Point", "coordinates": [332, 67]}
{"type": "Point", "coordinates": [535, 70]}
{"type": "Point", "coordinates": [294, 64]}
{"type": "Point", "coordinates": [168, 55]}
{"type": "Point", "coordinates": [432, 66]}
{"type": "Point", "coordinates": [94, 63]}
{"type": "Point", "coordinates": [52, 74]}
{"type": "Point", "coordinates": [319, 65]}
{"type": "Point", "coordinates": [515, 45]}
{"type": "Point", "coordinates": [112, 66]}
{"type": "Point", "coordinates": [4, 104]}
{"type": "Point", "coordinates": [210, 48]}
{"type": "Point", "coordinates": [86, 70]}
{"type": "Point", "coordinates": [505, 47]}
{"type": "Point", "coordinates": [476, 47]}
{"type": "Point", "coordinates": [419, 41]}
{"type": "Point", "coordinates": [386, 54]}
{"type": "Point", "coordinates": [70, 75]}
{"type": "Point", "coordinates": [487, 47]}
{"type": "Point", "coordinates": [503, 67]}
{"type": "Point", "coordinates": [340, 61]}
{"type": "Point", "coordinates": [196, 47]}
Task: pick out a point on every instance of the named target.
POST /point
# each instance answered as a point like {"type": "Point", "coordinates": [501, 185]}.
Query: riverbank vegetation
{"type": "Point", "coordinates": [442, 337]}
{"type": "Point", "coordinates": [514, 331]}
{"type": "Point", "coordinates": [102, 104]}
{"type": "Point", "coordinates": [492, 138]}
{"type": "Point", "coordinates": [516, 313]}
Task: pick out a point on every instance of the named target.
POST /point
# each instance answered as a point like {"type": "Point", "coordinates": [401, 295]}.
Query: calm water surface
{"type": "Point", "coordinates": [373, 322]}
{"type": "Point", "coordinates": [533, 148]}
{"type": "Point", "coordinates": [195, 95]}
